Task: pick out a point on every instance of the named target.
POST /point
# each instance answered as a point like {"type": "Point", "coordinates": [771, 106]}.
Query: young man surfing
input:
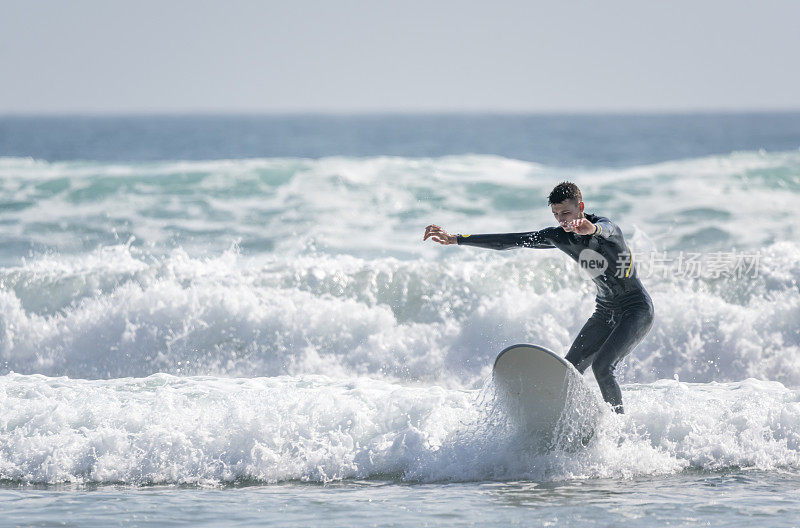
{"type": "Point", "coordinates": [624, 311]}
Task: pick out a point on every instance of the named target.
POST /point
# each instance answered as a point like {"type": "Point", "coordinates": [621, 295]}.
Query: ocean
{"type": "Point", "coordinates": [233, 320]}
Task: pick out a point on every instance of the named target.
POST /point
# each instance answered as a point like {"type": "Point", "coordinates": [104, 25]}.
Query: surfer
{"type": "Point", "coordinates": [623, 312]}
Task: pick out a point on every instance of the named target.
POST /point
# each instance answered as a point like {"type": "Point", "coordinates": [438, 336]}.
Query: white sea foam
{"type": "Point", "coordinates": [282, 319]}
{"type": "Point", "coordinates": [165, 429]}
{"type": "Point", "coordinates": [122, 312]}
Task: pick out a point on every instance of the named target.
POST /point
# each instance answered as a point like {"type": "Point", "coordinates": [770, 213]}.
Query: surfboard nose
{"type": "Point", "coordinates": [537, 388]}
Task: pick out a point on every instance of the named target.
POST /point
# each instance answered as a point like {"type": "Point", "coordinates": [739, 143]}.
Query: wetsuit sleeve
{"type": "Point", "coordinates": [606, 228]}
{"type": "Point", "coordinates": [531, 239]}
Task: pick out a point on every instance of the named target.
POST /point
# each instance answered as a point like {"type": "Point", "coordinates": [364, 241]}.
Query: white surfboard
{"type": "Point", "coordinates": [545, 394]}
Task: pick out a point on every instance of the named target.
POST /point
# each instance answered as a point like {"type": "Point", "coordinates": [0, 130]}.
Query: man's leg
{"type": "Point", "coordinates": [634, 322]}
{"type": "Point", "coordinates": [593, 334]}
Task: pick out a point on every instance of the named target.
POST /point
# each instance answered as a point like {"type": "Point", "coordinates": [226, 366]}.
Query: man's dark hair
{"type": "Point", "coordinates": [565, 191]}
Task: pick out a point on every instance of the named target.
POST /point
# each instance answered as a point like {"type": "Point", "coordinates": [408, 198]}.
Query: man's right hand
{"type": "Point", "coordinates": [437, 234]}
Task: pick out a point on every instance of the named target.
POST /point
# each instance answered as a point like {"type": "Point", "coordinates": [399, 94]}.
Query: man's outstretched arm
{"type": "Point", "coordinates": [531, 239]}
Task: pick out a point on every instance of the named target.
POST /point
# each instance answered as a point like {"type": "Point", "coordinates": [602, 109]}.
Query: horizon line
{"type": "Point", "coordinates": [400, 113]}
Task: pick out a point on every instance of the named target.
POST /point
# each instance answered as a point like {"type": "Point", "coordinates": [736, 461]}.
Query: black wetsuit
{"type": "Point", "coordinates": [624, 311]}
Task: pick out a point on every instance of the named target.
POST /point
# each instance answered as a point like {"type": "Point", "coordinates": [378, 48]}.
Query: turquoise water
{"type": "Point", "coordinates": [266, 340]}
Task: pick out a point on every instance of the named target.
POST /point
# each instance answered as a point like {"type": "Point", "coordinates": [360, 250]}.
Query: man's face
{"type": "Point", "coordinates": [566, 211]}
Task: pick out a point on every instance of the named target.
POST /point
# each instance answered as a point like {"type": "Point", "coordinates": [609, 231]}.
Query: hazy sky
{"type": "Point", "coordinates": [372, 55]}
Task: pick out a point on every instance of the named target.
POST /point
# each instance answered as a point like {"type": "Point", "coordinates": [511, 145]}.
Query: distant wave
{"type": "Point", "coordinates": [377, 206]}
